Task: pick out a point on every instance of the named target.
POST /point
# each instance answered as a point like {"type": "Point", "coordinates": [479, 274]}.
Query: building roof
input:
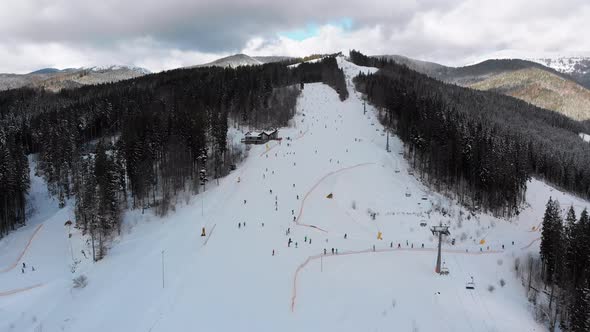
{"type": "Point", "coordinates": [270, 132]}
{"type": "Point", "coordinates": [253, 134]}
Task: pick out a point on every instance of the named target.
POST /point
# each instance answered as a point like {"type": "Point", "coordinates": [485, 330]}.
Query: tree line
{"type": "Point", "coordinates": [480, 147]}
{"type": "Point", "coordinates": [565, 257]}
{"type": "Point", "coordinates": [140, 143]}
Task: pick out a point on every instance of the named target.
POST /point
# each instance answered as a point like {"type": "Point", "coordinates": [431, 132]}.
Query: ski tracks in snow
{"type": "Point", "coordinates": [302, 207]}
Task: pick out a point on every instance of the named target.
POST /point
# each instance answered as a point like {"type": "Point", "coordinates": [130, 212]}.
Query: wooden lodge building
{"type": "Point", "coordinates": [260, 137]}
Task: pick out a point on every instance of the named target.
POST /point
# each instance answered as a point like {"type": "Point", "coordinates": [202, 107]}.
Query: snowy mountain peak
{"type": "Point", "coordinates": [566, 64]}
{"type": "Point", "coordinates": [235, 60]}
{"type": "Point", "coordinates": [139, 70]}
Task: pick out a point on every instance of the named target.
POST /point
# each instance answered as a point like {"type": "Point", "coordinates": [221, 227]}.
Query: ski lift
{"type": "Point", "coordinates": [424, 197]}
{"type": "Point", "coordinates": [423, 223]}
{"type": "Point", "coordinates": [444, 270]}
{"type": "Point", "coordinates": [397, 170]}
{"type": "Point", "coordinates": [408, 193]}
{"type": "Point", "coordinates": [470, 284]}
{"type": "Point", "coordinates": [410, 172]}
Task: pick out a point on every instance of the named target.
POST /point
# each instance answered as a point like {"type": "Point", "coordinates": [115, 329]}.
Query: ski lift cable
{"type": "Point", "coordinates": [471, 293]}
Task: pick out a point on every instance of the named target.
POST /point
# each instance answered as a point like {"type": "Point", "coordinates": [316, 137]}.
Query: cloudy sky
{"type": "Point", "coordinates": [164, 34]}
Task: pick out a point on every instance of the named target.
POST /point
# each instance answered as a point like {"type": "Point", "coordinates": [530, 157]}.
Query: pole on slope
{"type": "Point", "coordinates": [321, 263]}
{"type": "Point", "coordinates": [387, 146]}
{"type": "Point", "coordinates": [162, 268]}
{"type": "Point", "coordinates": [364, 107]}
{"type": "Point", "coordinates": [440, 231]}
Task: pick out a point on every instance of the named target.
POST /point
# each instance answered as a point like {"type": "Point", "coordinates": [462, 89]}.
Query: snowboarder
{"type": "Point", "coordinates": [406, 243]}
{"type": "Point", "coordinates": [292, 212]}
{"type": "Point", "coordinates": [373, 247]}
{"type": "Point", "coordinates": [262, 224]}
{"type": "Point", "coordinates": [295, 244]}
{"type": "Point", "coordinates": [297, 197]}
{"type": "Point", "coordinates": [288, 231]}
{"type": "Point", "coordinates": [324, 251]}
{"type": "Point", "coordinates": [22, 270]}
{"type": "Point", "coordinates": [271, 191]}
{"type": "Point", "coordinates": [305, 239]}
{"type": "Point", "coordinates": [422, 245]}
{"type": "Point", "coordinates": [33, 268]}
{"type": "Point", "coordinates": [239, 225]}
{"type": "Point", "coordinates": [244, 201]}
{"type": "Point", "coordinates": [293, 185]}
{"type": "Point", "coordinates": [294, 218]}
{"type": "Point", "coordinates": [345, 236]}
{"type": "Point", "coordinates": [273, 252]}
{"type": "Point", "coordinates": [309, 240]}
{"type": "Point", "coordinates": [399, 245]}
{"type": "Point", "coordinates": [502, 247]}
{"type": "Point", "coordinates": [332, 251]}
{"type": "Point", "coordinates": [412, 246]}
{"type": "Point", "coordinates": [289, 242]}
{"type": "Point", "coordinates": [244, 224]}
{"type": "Point", "coordinates": [24, 265]}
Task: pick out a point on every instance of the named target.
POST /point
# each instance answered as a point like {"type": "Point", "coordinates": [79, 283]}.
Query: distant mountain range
{"type": "Point", "coordinates": [237, 60]}
{"type": "Point", "coordinates": [577, 67]}
{"type": "Point", "coordinates": [555, 88]}
{"type": "Point", "coordinates": [56, 79]}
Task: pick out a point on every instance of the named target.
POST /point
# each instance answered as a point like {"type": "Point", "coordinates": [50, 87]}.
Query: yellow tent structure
{"type": "Point", "coordinates": [330, 196]}
{"type": "Point", "coordinates": [482, 241]}
{"type": "Point", "coordinates": [379, 236]}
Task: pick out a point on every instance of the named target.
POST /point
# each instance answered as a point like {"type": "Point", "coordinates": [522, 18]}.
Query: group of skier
{"type": "Point", "coordinates": [23, 269]}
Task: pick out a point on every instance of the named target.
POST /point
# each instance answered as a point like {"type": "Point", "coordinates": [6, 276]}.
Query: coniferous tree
{"type": "Point", "coordinates": [551, 240]}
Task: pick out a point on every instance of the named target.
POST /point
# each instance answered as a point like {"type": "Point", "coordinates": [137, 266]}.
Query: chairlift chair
{"type": "Point", "coordinates": [408, 193]}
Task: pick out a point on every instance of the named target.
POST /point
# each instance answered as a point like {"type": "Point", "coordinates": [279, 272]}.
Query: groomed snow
{"type": "Point", "coordinates": [230, 281]}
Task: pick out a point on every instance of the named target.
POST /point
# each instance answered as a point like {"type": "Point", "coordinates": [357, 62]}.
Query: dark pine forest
{"type": "Point", "coordinates": [139, 143]}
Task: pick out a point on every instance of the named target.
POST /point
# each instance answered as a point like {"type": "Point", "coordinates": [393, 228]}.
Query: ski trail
{"type": "Point", "coordinates": [13, 265]}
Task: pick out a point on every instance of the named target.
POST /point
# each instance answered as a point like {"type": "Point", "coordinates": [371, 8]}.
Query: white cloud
{"type": "Point", "coordinates": [167, 34]}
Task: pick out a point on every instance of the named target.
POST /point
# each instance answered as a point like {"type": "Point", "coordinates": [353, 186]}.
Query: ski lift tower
{"type": "Point", "coordinates": [439, 230]}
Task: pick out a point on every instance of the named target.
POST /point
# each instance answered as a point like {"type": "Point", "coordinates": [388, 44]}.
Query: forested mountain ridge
{"type": "Point", "coordinates": [530, 81]}
{"type": "Point", "coordinates": [541, 88]}
{"type": "Point", "coordinates": [138, 143]}
{"type": "Point", "coordinates": [481, 146]}
{"type": "Point", "coordinates": [54, 79]}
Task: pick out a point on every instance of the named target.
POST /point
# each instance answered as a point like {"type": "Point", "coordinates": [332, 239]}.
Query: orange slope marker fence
{"type": "Point", "coordinates": [19, 290]}
{"type": "Point", "coordinates": [13, 265]}
{"type": "Point", "coordinates": [366, 251]}
{"type": "Point", "coordinates": [301, 208]}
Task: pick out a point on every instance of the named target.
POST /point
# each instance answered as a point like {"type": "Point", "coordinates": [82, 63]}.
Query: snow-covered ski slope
{"type": "Point", "coordinates": [230, 281]}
